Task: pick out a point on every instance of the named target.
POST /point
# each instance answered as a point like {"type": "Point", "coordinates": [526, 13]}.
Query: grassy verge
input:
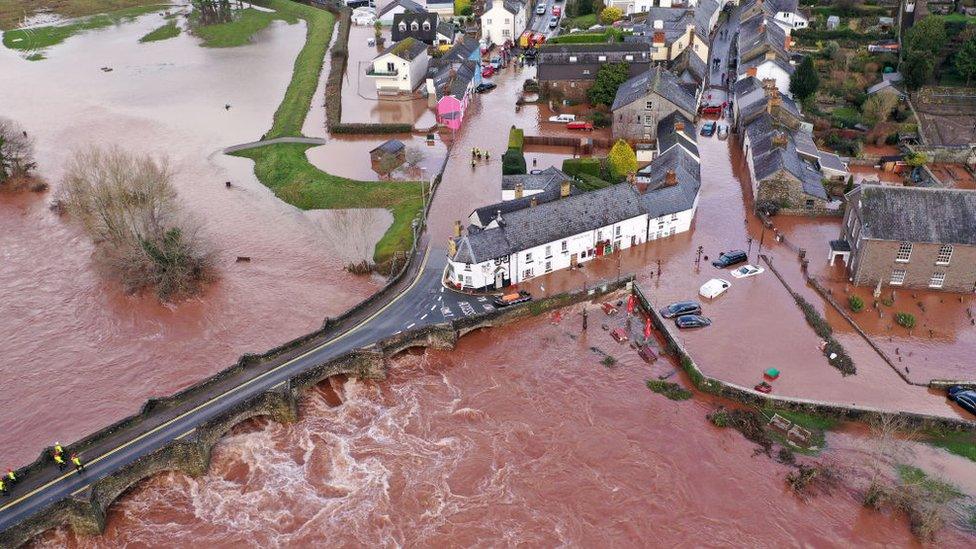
{"type": "Point", "coordinates": [44, 37]}
{"type": "Point", "coordinates": [167, 31]}
{"type": "Point", "coordinates": [671, 390]}
{"type": "Point", "coordinates": [285, 170]}
{"type": "Point", "coordinates": [961, 444]}
{"type": "Point", "coordinates": [239, 31]}
{"type": "Point", "coordinates": [581, 22]}
{"type": "Point", "coordinates": [12, 12]}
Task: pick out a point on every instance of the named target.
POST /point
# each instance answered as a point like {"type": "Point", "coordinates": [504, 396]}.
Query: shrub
{"type": "Point", "coordinates": [671, 390]}
{"type": "Point", "coordinates": [905, 320]}
{"type": "Point", "coordinates": [513, 162]}
{"type": "Point", "coordinates": [856, 303]}
{"type": "Point", "coordinates": [579, 166]}
{"type": "Point", "coordinates": [601, 119]}
{"type": "Point", "coordinates": [608, 361]}
{"type": "Point", "coordinates": [811, 479]}
{"type": "Point", "coordinates": [516, 138]}
{"type": "Point", "coordinates": [622, 160]}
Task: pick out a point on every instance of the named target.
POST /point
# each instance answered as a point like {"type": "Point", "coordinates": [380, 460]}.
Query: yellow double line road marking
{"type": "Point", "coordinates": [332, 341]}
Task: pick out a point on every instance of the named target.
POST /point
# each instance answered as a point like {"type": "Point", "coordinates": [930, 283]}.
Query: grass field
{"type": "Point", "coordinates": [284, 168]}
{"type": "Point", "coordinates": [43, 37]}
{"type": "Point", "coordinates": [12, 12]}
{"type": "Point", "coordinates": [167, 31]}
{"type": "Point", "coordinates": [961, 444]}
{"type": "Point", "coordinates": [239, 31]}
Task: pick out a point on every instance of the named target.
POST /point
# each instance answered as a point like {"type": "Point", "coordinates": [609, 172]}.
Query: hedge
{"type": "Point", "coordinates": [586, 182]}
{"type": "Point", "coordinates": [513, 162]}
{"type": "Point", "coordinates": [580, 166]}
{"type": "Point", "coordinates": [368, 128]}
{"type": "Point", "coordinates": [516, 138]}
{"type": "Point", "coordinates": [813, 35]}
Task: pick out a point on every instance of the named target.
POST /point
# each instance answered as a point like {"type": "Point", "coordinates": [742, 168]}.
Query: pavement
{"type": "Point", "coordinates": [716, 92]}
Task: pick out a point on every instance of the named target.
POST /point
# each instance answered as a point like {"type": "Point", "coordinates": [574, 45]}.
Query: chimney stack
{"type": "Point", "coordinates": [519, 190]}
{"type": "Point", "coordinates": [451, 247]}
{"type": "Point", "coordinates": [670, 178]}
{"type": "Point", "coordinates": [457, 228]}
{"type": "Point", "coordinates": [788, 43]}
{"type": "Point", "coordinates": [769, 86]}
{"type": "Point", "coordinates": [564, 188]}
{"type": "Point", "coordinates": [679, 126]}
{"type": "Point", "coordinates": [533, 202]}
{"type": "Point", "coordinates": [762, 27]}
{"type": "Point", "coordinates": [770, 55]}
{"type": "Point", "coordinates": [752, 71]}
{"type": "Point", "coordinates": [780, 140]}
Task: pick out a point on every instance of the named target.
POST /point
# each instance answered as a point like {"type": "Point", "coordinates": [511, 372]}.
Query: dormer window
{"type": "Point", "coordinates": [601, 58]}
{"type": "Point", "coordinates": [414, 26]}
{"type": "Point", "coordinates": [572, 59]}
{"type": "Point", "coordinates": [426, 25]}
{"type": "Point", "coordinates": [403, 27]}
{"type": "Point", "coordinates": [629, 57]}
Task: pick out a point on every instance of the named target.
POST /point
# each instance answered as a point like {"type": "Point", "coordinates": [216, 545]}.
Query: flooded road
{"type": "Point", "coordinates": [78, 353]}
{"type": "Point", "coordinates": [519, 436]}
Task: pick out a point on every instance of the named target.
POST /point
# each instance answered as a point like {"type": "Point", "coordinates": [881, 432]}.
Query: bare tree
{"type": "Point", "coordinates": [16, 155]}
{"type": "Point", "coordinates": [878, 107]}
{"type": "Point", "coordinates": [129, 208]}
{"type": "Point", "coordinates": [353, 234]}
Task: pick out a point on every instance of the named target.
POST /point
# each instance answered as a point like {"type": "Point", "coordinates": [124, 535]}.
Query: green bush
{"type": "Point", "coordinates": [856, 303]}
{"type": "Point", "coordinates": [601, 119]}
{"type": "Point", "coordinates": [366, 128]}
{"type": "Point", "coordinates": [579, 166]}
{"type": "Point", "coordinates": [513, 162]}
{"type": "Point", "coordinates": [516, 138]}
{"type": "Point", "coordinates": [671, 390]}
{"type": "Point", "coordinates": [905, 320]}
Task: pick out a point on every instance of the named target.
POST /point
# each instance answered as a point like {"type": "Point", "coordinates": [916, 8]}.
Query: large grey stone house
{"type": "Point", "coordinates": [910, 237]}
{"type": "Point", "coordinates": [646, 99]}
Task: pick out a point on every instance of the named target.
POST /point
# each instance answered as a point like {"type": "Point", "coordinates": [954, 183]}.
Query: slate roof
{"type": "Point", "coordinates": [390, 147]}
{"type": "Point", "coordinates": [554, 63]}
{"type": "Point", "coordinates": [884, 85]}
{"type": "Point", "coordinates": [529, 227]}
{"type": "Point", "coordinates": [668, 137]}
{"type": "Point", "coordinates": [408, 49]}
{"type": "Point", "coordinates": [780, 62]}
{"type": "Point", "coordinates": [407, 20]}
{"type": "Point", "coordinates": [446, 28]}
{"type": "Point", "coordinates": [832, 161]}
{"type": "Point", "coordinates": [408, 6]}
{"type": "Point", "coordinates": [661, 199]}
{"type": "Point", "coordinates": [485, 214]}
{"type": "Point", "coordinates": [769, 7]}
{"type": "Point", "coordinates": [767, 159]}
{"type": "Point", "coordinates": [703, 13]}
{"type": "Point", "coordinates": [535, 182]}
{"type": "Point", "coordinates": [756, 35]}
{"type": "Point", "coordinates": [915, 214]}
{"type": "Point", "coordinates": [660, 82]}
{"type": "Point", "coordinates": [675, 23]}
{"type": "Point", "coordinates": [511, 6]}
{"type": "Point", "coordinates": [461, 50]}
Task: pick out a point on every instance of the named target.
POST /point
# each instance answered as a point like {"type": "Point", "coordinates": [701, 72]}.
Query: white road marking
{"type": "Point", "coordinates": [397, 332]}
{"type": "Point", "coordinates": [425, 316]}
{"type": "Point", "coordinates": [466, 308]}
{"type": "Point", "coordinates": [482, 299]}
{"type": "Point", "coordinates": [442, 289]}
{"type": "Point", "coordinates": [410, 325]}
{"type": "Point", "coordinates": [488, 308]}
{"type": "Point", "coordinates": [432, 307]}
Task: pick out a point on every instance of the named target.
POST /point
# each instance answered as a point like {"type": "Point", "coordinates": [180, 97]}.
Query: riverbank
{"type": "Point", "coordinates": [285, 169]}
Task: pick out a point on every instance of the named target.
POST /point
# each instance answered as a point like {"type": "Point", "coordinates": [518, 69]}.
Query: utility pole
{"type": "Point", "coordinates": [762, 237]}
{"type": "Point", "coordinates": [698, 254]}
{"type": "Point", "coordinates": [749, 242]}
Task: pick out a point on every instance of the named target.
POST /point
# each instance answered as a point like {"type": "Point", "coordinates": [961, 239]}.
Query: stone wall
{"type": "Point", "coordinates": [786, 191]}
{"type": "Point", "coordinates": [86, 512]}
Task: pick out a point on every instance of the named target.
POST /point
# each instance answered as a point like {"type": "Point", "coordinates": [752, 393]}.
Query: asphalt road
{"type": "Point", "coordinates": [540, 23]}
{"type": "Point", "coordinates": [424, 302]}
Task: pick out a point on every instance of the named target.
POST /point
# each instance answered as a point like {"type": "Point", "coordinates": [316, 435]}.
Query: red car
{"type": "Point", "coordinates": [557, 11]}
{"type": "Point", "coordinates": [713, 110]}
{"type": "Point", "coordinates": [487, 72]}
{"type": "Point", "coordinates": [580, 125]}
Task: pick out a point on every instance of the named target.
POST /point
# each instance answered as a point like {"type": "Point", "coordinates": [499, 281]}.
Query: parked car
{"type": "Point", "coordinates": [540, 8]}
{"type": "Point", "coordinates": [580, 125]}
{"type": "Point", "coordinates": [712, 110]}
{"type": "Point", "coordinates": [646, 353]}
{"type": "Point", "coordinates": [714, 288]}
{"type": "Point", "coordinates": [708, 129]}
{"type": "Point", "coordinates": [681, 308]}
{"type": "Point", "coordinates": [619, 335]}
{"type": "Point", "coordinates": [488, 72]}
{"type": "Point", "coordinates": [557, 11]}
{"type": "Point", "coordinates": [553, 22]}
{"type": "Point", "coordinates": [966, 400]}
{"type": "Point", "coordinates": [485, 86]}
{"type": "Point", "coordinates": [496, 62]}
{"type": "Point", "coordinates": [508, 300]}
{"type": "Point", "coordinates": [727, 259]}
{"type": "Point", "coordinates": [957, 389]}
{"type": "Point", "coordinates": [723, 132]}
{"type": "Point", "coordinates": [563, 118]}
{"type": "Point", "coordinates": [692, 321]}
{"type": "Point", "coordinates": [746, 271]}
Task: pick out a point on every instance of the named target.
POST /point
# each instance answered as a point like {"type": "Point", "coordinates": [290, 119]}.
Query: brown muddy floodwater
{"type": "Point", "coordinates": [517, 437]}
{"type": "Point", "coordinates": [77, 353]}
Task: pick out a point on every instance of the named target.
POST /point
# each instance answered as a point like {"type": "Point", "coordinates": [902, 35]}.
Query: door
{"type": "Point", "coordinates": [499, 278]}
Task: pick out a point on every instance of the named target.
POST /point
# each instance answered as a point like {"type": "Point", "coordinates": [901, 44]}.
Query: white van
{"type": "Point", "coordinates": [714, 288]}
{"type": "Point", "coordinates": [563, 118]}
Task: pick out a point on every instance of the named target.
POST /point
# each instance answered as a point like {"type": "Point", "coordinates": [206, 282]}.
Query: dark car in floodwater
{"type": "Point", "coordinates": [485, 86]}
{"type": "Point", "coordinates": [681, 308]}
{"type": "Point", "coordinates": [964, 397]}
{"type": "Point", "coordinates": [692, 321]}
{"type": "Point", "coordinates": [727, 259]}
{"type": "Point", "coordinates": [508, 300]}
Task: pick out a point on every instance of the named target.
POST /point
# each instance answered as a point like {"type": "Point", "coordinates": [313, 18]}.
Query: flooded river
{"type": "Point", "coordinates": [79, 354]}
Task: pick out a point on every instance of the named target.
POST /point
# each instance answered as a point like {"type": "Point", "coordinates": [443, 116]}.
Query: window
{"type": "Point", "coordinates": [616, 231]}
{"type": "Point", "coordinates": [674, 217]}
{"type": "Point", "coordinates": [572, 58]}
{"type": "Point", "coordinates": [599, 235]}
{"type": "Point", "coordinates": [390, 67]}
{"type": "Point", "coordinates": [565, 246]}
{"type": "Point", "coordinates": [548, 251]}
{"type": "Point", "coordinates": [467, 267]}
{"type": "Point", "coordinates": [528, 257]}
{"type": "Point", "coordinates": [672, 231]}
{"type": "Point", "coordinates": [904, 252]}
{"type": "Point", "coordinates": [649, 105]}
{"type": "Point", "coordinates": [945, 254]}
{"type": "Point", "coordinates": [488, 21]}
{"type": "Point", "coordinates": [467, 281]}
{"type": "Point", "coordinates": [507, 20]}
{"type": "Point", "coordinates": [937, 280]}
{"type": "Point", "coordinates": [628, 57]}
{"type": "Point", "coordinates": [403, 26]}
{"type": "Point", "coordinates": [897, 277]}
{"type": "Point", "coordinates": [586, 71]}
{"type": "Point", "coordinates": [601, 58]}
{"type": "Point", "coordinates": [426, 25]}
{"type": "Point", "coordinates": [527, 274]}
{"type": "Point", "coordinates": [506, 32]}
{"type": "Point", "coordinates": [809, 204]}
{"type": "Point", "coordinates": [414, 26]}
{"type": "Point", "coordinates": [548, 266]}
